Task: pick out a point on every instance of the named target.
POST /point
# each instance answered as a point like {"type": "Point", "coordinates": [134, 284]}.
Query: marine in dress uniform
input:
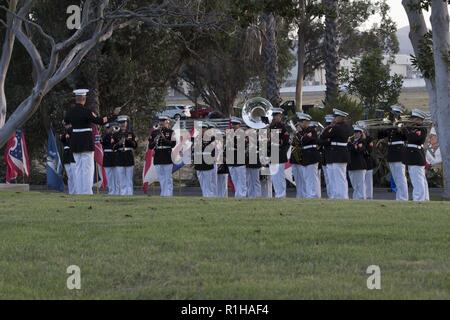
{"type": "Point", "coordinates": [396, 155]}
{"type": "Point", "coordinates": [337, 135]}
{"type": "Point", "coordinates": [324, 149]}
{"type": "Point", "coordinates": [222, 174]}
{"type": "Point", "coordinates": [82, 142]}
{"type": "Point", "coordinates": [237, 167]}
{"type": "Point", "coordinates": [316, 127]}
{"type": "Point", "coordinates": [163, 141]}
{"type": "Point", "coordinates": [124, 144]}
{"type": "Point", "coordinates": [415, 155]}
{"type": "Point", "coordinates": [109, 160]}
{"type": "Point", "coordinates": [254, 166]}
{"type": "Point", "coordinates": [68, 159]}
{"type": "Point", "coordinates": [204, 161]}
{"type": "Point", "coordinates": [277, 166]}
{"type": "Point", "coordinates": [309, 164]}
{"type": "Point", "coordinates": [371, 164]}
{"type": "Point", "coordinates": [296, 159]}
{"type": "Point", "coordinates": [357, 166]}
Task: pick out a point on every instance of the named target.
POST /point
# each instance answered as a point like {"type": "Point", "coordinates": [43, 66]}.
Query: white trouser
{"type": "Point", "coordinates": [297, 173]}
{"type": "Point", "coordinates": [398, 172]}
{"type": "Point", "coordinates": [337, 174]}
{"type": "Point", "coordinates": [319, 186]}
{"type": "Point", "coordinates": [125, 177]}
{"type": "Point", "coordinates": [311, 180]}
{"type": "Point", "coordinates": [253, 183]}
{"type": "Point", "coordinates": [419, 183]}
{"type": "Point", "coordinates": [222, 185]}
{"type": "Point", "coordinates": [327, 180]}
{"type": "Point", "coordinates": [214, 181]}
{"type": "Point", "coordinates": [207, 182]}
{"type": "Point", "coordinates": [278, 180]}
{"type": "Point", "coordinates": [239, 178]}
{"type": "Point", "coordinates": [112, 181]}
{"type": "Point", "coordinates": [70, 171]}
{"type": "Point", "coordinates": [116, 174]}
{"type": "Point", "coordinates": [369, 184]}
{"type": "Point", "coordinates": [84, 172]}
{"type": "Point", "coordinates": [266, 187]}
{"type": "Point", "coordinates": [357, 179]}
{"type": "Point", "coordinates": [164, 172]}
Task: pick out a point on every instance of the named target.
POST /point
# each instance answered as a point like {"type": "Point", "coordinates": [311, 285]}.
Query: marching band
{"type": "Point", "coordinates": [344, 153]}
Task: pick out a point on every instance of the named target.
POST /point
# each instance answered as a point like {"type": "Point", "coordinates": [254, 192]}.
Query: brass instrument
{"type": "Point", "coordinates": [115, 129]}
{"type": "Point", "coordinates": [296, 151]}
{"type": "Point", "coordinates": [257, 113]}
{"type": "Point", "coordinates": [383, 124]}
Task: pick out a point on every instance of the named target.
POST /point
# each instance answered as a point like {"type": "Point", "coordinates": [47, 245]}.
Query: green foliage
{"type": "Point", "coordinates": [370, 80]}
{"type": "Point", "coordinates": [424, 62]}
{"type": "Point", "coordinates": [343, 102]}
{"type": "Point", "coordinates": [223, 64]}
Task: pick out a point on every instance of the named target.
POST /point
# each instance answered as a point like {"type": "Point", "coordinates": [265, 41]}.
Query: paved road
{"type": "Point", "coordinates": [379, 193]}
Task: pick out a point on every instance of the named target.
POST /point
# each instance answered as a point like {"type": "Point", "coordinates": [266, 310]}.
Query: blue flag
{"type": "Point", "coordinates": [54, 165]}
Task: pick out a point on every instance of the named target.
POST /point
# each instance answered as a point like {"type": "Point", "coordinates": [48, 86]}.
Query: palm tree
{"type": "Point", "coordinates": [331, 49]}
{"type": "Point", "coordinates": [270, 55]}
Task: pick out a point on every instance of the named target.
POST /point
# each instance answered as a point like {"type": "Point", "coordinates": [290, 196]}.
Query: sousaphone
{"type": "Point", "coordinates": [257, 113]}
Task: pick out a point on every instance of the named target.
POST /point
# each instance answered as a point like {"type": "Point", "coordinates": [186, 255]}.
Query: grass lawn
{"type": "Point", "coordinates": [191, 248]}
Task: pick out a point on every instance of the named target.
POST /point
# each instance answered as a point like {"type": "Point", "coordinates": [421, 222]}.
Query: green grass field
{"type": "Point", "coordinates": [191, 248]}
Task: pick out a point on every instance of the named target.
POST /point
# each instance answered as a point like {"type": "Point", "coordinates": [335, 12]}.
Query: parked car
{"type": "Point", "coordinates": [201, 112]}
{"type": "Point", "coordinates": [175, 112]}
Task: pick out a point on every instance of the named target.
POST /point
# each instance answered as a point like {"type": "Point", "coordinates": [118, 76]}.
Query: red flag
{"type": "Point", "coordinates": [148, 175]}
{"type": "Point", "coordinates": [98, 154]}
{"type": "Point", "coordinates": [16, 157]}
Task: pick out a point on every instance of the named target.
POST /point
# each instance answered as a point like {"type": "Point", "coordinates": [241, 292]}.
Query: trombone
{"type": "Point", "coordinates": [385, 123]}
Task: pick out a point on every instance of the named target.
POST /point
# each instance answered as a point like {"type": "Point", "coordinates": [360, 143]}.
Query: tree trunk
{"type": "Point", "coordinates": [418, 29]}
{"type": "Point", "coordinates": [21, 115]}
{"type": "Point", "coordinates": [91, 78]}
{"type": "Point", "coordinates": [331, 50]}
{"type": "Point", "coordinates": [301, 52]}
{"type": "Point", "coordinates": [441, 46]}
{"type": "Point", "coordinates": [5, 60]}
{"type": "Point", "coordinates": [301, 55]}
{"type": "Point", "coordinates": [271, 60]}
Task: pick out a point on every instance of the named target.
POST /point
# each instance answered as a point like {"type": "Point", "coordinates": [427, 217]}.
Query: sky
{"type": "Point", "coordinates": [398, 13]}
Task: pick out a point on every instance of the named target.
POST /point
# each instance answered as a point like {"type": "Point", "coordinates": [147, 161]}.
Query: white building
{"type": "Point", "coordinates": [402, 66]}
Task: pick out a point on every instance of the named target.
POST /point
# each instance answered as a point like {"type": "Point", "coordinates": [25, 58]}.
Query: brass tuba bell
{"type": "Point", "coordinates": [257, 113]}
